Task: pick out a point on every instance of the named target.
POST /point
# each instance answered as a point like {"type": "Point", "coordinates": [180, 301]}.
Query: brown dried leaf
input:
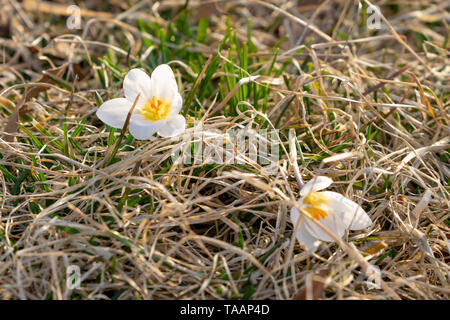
{"type": "Point", "coordinates": [206, 10]}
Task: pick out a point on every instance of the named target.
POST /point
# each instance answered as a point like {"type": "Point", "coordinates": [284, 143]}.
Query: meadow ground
{"type": "Point", "coordinates": [365, 93]}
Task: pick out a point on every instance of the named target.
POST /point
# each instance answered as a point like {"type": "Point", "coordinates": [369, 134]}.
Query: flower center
{"type": "Point", "coordinates": [314, 201]}
{"type": "Point", "coordinates": [155, 109]}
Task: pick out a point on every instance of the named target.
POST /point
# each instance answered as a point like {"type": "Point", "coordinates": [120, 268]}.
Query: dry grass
{"type": "Point", "coordinates": [219, 231]}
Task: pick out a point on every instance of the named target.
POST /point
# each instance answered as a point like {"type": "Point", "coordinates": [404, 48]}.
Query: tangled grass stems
{"type": "Point", "coordinates": [367, 107]}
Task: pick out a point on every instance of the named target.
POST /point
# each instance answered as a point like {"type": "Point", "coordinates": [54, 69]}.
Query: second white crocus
{"type": "Point", "coordinates": [156, 110]}
{"type": "Point", "coordinates": [331, 209]}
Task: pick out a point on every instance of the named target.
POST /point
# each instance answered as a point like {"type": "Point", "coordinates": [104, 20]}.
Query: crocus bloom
{"type": "Point", "coordinates": [156, 110]}
{"type": "Point", "coordinates": [331, 209]}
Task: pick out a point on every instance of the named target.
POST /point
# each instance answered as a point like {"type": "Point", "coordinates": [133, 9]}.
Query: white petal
{"type": "Point", "coordinates": [163, 83]}
{"type": "Point", "coordinates": [332, 222]}
{"type": "Point", "coordinates": [143, 129]}
{"type": "Point", "coordinates": [315, 184]}
{"type": "Point", "coordinates": [353, 216]}
{"type": "Point", "coordinates": [307, 239]}
{"type": "Point", "coordinates": [114, 112]}
{"type": "Point", "coordinates": [174, 126]}
{"type": "Point", "coordinates": [176, 104]}
{"type": "Point", "coordinates": [137, 81]}
{"type": "Point", "coordinates": [303, 235]}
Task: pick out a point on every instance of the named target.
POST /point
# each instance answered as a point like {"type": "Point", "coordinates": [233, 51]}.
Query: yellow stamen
{"type": "Point", "coordinates": [316, 213]}
{"type": "Point", "coordinates": [314, 201]}
{"type": "Point", "coordinates": [155, 109]}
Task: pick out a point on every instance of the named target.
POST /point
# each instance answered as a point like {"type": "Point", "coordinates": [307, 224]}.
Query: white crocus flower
{"type": "Point", "coordinates": [334, 211]}
{"type": "Point", "coordinates": [156, 110]}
